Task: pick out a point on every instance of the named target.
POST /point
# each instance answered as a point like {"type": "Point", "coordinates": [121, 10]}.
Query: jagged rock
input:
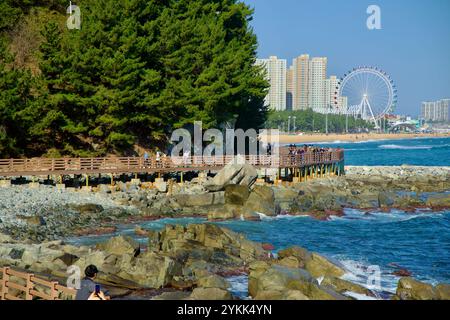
{"type": "Point", "coordinates": [149, 270]}
{"type": "Point", "coordinates": [16, 254]}
{"type": "Point", "coordinates": [236, 194]}
{"type": "Point", "coordinates": [320, 266]}
{"type": "Point", "coordinates": [439, 200]}
{"type": "Point", "coordinates": [226, 212]}
{"type": "Point", "coordinates": [410, 289]}
{"type": "Point", "coordinates": [443, 290]}
{"type": "Point", "coordinates": [213, 281]}
{"type": "Point", "coordinates": [5, 238]}
{"type": "Point", "coordinates": [385, 200]}
{"type": "Point", "coordinates": [88, 208]}
{"type": "Point", "coordinates": [119, 245]}
{"type": "Point", "coordinates": [261, 200]}
{"type": "Point", "coordinates": [342, 286]}
{"type": "Point", "coordinates": [33, 220]}
{"type": "Point", "coordinates": [283, 279]}
{"type": "Point", "coordinates": [96, 258]}
{"type": "Point", "coordinates": [290, 262]}
{"type": "Point", "coordinates": [302, 255]}
{"type": "Point", "coordinates": [210, 294]}
{"type": "Point", "coordinates": [68, 259]}
{"type": "Point", "coordinates": [233, 173]}
{"type": "Point", "coordinates": [201, 200]}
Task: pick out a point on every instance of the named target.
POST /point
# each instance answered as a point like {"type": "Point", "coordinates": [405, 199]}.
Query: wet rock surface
{"type": "Point", "coordinates": [191, 262]}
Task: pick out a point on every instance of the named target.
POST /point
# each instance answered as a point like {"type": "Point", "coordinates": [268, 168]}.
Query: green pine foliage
{"type": "Point", "coordinates": [134, 72]}
{"type": "Point", "coordinates": [310, 121]}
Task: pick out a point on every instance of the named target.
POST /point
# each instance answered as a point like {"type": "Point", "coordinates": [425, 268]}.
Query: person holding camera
{"type": "Point", "coordinates": [89, 290]}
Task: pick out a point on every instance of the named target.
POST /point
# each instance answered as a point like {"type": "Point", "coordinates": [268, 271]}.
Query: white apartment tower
{"type": "Point", "coordinates": [290, 88]}
{"type": "Point", "coordinates": [276, 75]}
{"type": "Point", "coordinates": [317, 83]}
{"type": "Point", "coordinates": [437, 111]}
{"type": "Point", "coordinates": [301, 83]}
{"type": "Point", "coordinates": [332, 100]}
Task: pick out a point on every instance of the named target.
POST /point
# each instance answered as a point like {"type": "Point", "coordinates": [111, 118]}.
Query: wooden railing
{"type": "Point", "coordinates": [15, 285]}
{"type": "Point", "coordinates": [60, 166]}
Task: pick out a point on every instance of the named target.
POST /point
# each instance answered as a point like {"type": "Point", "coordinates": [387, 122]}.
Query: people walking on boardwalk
{"type": "Point", "coordinates": [145, 159]}
{"type": "Point", "coordinates": [89, 290]}
{"type": "Point", "coordinates": [158, 159]}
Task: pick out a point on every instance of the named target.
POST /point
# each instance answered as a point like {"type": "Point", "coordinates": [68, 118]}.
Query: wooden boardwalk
{"type": "Point", "coordinates": [139, 165]}
{"type": "Point", "coordinates": [17, 285]}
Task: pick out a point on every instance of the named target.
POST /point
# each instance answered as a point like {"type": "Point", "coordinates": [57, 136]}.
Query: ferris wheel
{"type": "Point", "coordinates": [370, 94]}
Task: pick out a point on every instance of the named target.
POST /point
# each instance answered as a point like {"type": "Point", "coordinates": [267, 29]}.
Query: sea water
{"type": "Point", "coordinates": [363, 243]}
{"type": "Point", "coordinates": [417, 152]}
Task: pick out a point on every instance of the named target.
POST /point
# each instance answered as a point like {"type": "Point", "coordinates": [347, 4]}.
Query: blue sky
{"type": "Point", "coordinates": [413, 46]}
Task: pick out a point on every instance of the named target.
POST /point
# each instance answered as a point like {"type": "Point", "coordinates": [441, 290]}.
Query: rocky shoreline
{"type": "Point", "coordinates": [191, 262]}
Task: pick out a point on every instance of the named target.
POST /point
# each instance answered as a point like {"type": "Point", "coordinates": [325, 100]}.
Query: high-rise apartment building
{"type": "Point", "coordinates": [332, 100]}
{"type": "Point", "coordinates": [437, 111]}
{"type": "Point", "coordinates": [317, 83]}
{"type": "Point", "coordinates": [301, 83]}
{"type": "Point", "coordinates": [276, 75]}
{"type": "Point", "coordinates": [290, 88]}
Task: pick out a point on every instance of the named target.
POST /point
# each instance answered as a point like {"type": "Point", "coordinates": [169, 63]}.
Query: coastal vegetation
{"type": "Point", "coordinates": [135, 71]}
{"type": "Point", "coordinates": [310, 121]}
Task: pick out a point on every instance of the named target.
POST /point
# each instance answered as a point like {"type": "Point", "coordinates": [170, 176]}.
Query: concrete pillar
{"type": "Point", "coordinates": [136, 181]}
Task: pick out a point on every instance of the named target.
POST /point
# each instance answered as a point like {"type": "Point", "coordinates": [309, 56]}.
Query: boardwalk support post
{"type": "Point", "coordinates": [5, 280]}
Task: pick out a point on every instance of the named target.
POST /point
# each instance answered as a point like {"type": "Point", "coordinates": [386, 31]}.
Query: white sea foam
{"type": "Point", "coordinates": [358, 272]}
{"type": "Point", "coordinates": [264, 217]}
{"type": "Point", "coordinates": [400, 147]}
{"type": "Point", "coordinates": [239, 286]}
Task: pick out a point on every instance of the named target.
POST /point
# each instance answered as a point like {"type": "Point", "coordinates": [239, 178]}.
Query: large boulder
{"type": "Point", "coordinates": [236, 194]}
{"type": "Point", "coordinates": [342, 286]}
{"type": "Point", "coordinates": [119, 245]}
{"type": "Point", "coordinates": [150, 270]}
{"type": "Point", "coordinates": [411, 289]}
{"type": "Point", "coordinates": [236, 172]}
{"type": "Point", "coordinates": [200, 200]}
{"type": "Point", "coordinates": [282, 279]}
{"type": "Point", "coordinates": [261, 200]}
{"type": "Point", "coordinates": [226, 212]}
{"type": "Point", "coordinates": [207, 242]}
{"type": "Point", "coordinates": [439, 200]}
{"type": "Point", "coordinates": [280, 295]}
{"type": "Point", "coordinates": [319, 266]}
{"type": "Point", "coordinates": [443, 290]}
{"type": "Point", "coordinates": [213, 281]}
{"type": "Point", "coordinates": [295, 254]}
{"type": "Point", "coordinates": [210, 294]}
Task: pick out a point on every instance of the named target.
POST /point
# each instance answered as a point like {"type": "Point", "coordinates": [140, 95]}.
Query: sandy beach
{"type": "Point", "coordinates": [312, 138]}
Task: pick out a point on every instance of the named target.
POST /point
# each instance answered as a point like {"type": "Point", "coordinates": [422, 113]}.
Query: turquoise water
{"type": "Point", "coordinates": [420, 152]}
{"type": "Point", "coordinates": [418, 242]}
